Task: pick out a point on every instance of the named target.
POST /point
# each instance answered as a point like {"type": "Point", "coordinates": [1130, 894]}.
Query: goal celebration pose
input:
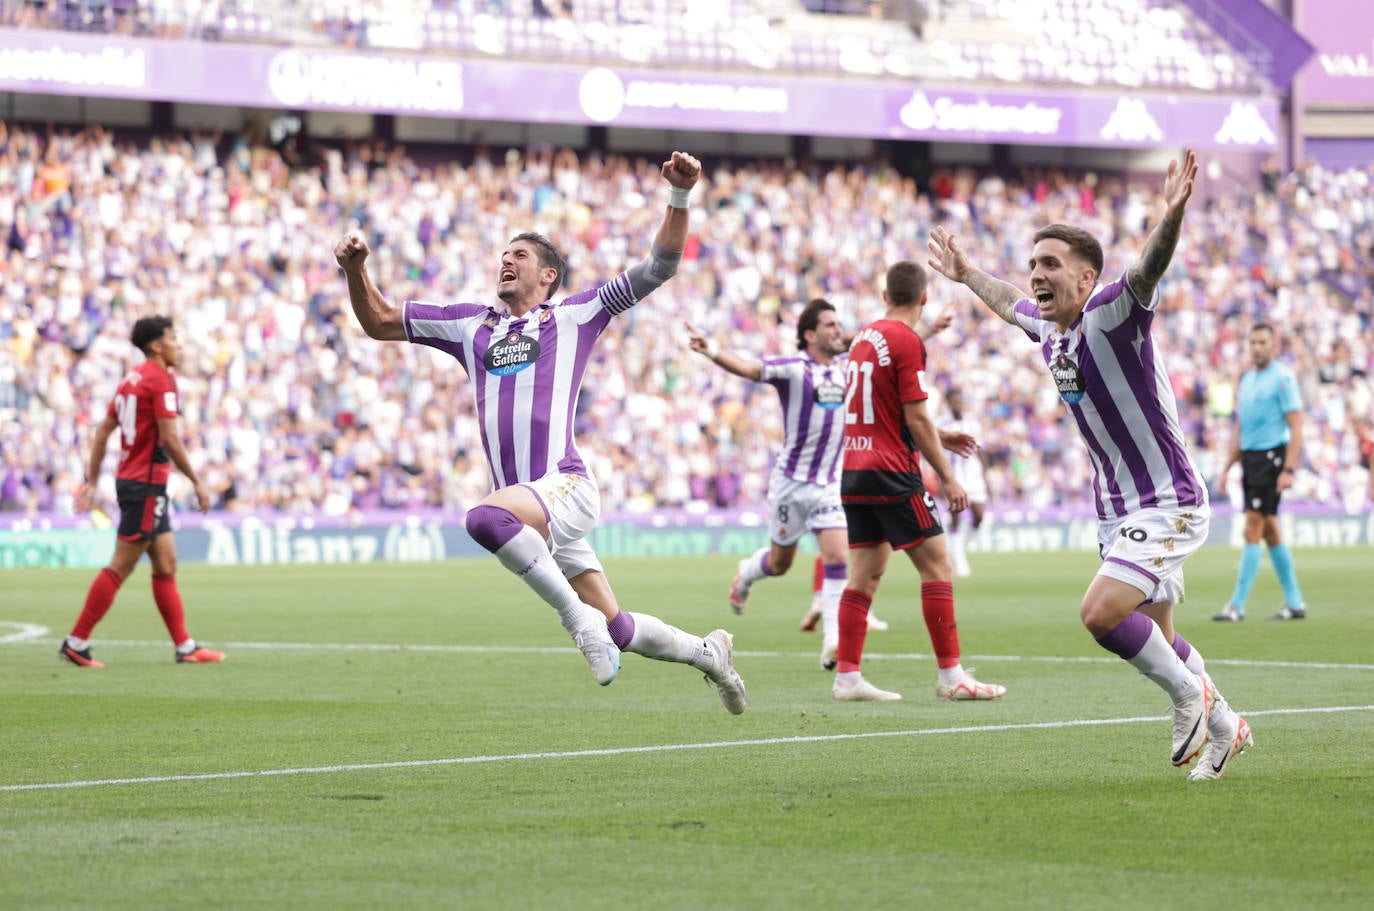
{"type": "Point", "coordinates": [526, 358]}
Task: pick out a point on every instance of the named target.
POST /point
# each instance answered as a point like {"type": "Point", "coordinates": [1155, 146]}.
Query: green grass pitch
{"type": "Point", "coordinates": [425, 736]}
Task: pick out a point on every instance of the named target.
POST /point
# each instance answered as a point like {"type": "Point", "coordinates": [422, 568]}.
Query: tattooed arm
{"type": "Point", "coordinates": [1146, 272]}
{"type": "Point", "coordinates": [949, 259]}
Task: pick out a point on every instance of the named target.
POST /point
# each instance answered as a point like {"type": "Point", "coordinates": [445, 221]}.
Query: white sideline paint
{"type": "Point", "coordinates": [34, 638]}
{"type": "Point", "coordinates": [657, 748]}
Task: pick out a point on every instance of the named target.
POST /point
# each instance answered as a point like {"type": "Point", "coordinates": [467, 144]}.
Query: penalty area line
{"type": "Point", "coordinates": [655, 748]}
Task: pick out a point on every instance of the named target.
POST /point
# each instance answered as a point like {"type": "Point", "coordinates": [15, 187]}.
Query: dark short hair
{"type": "Point", "coordinates": [148, 330]}
{"type": "Point", "coordinates": [549, 257]}
{"type": "Point", "coordinates": [810, 318]}
{"type": "Point", "coordinates": [1081, 243]}
{"type": "Point", "coordinates": [1262, 327]}
{"type": "Point", "coordinates": [906, 282]}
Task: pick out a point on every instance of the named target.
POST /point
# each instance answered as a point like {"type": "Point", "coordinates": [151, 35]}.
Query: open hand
{"type": "Point", "coordinates": [946, 256]}
{"type": "Point", "coordinates": [1178, 183]}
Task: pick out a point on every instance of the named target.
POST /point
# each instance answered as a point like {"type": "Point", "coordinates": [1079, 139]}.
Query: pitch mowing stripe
{"type": "Point", "coordinates": [657, 748]}
{"type": "Point", "coordinates": [33, 634]}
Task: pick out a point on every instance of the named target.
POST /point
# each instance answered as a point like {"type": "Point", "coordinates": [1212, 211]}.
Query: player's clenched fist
{"type": "Point", "coordinates": [682, 170]}
{"type": "Point", "coordinates": [351, 250]}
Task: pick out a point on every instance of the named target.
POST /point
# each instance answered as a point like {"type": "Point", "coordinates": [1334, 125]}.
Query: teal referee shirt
{"type": "Point", "coordinates": [1263, 400]}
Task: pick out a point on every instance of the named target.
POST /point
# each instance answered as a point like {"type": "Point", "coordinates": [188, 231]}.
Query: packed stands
{"type": "Point", "coordinates": [290, 408]}
{"type": "Point", "coordinates": [1151, 44]}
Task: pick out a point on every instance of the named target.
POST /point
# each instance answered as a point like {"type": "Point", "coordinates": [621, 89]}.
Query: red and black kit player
{"type": "Point", "coordinates": [886, 505]}
{"type": "Point", "coordinates": [144, 411]}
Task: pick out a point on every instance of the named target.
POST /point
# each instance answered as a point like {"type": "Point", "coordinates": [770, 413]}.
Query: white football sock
{"type": "Point", "coordinates": [1220, 719]}
{"type": "Point", "coordinates": [1158, 661]}
{"type": "Point", "coordinates": [753, 568]}
{"type": "Point", "coordinates": [949, 676]}
{"type": "Point", "coordinates": [528, 557]}
{"type": "Point", "coordinates": [831, 590]}
{"type": "Point", "coordinates": [958, 545]}
{"type": "Point", "coordinates": [663, 642]}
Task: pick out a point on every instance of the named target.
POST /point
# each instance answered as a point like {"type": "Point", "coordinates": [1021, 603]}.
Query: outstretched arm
{"type": "Point", "coordinates": [375, 313]}
{"type": "Point", "coordinates": [746, 367]}
{"type": "Point", "coordinates": [681, 171]}
{"type": "Point", "coordinates": [927, 329]}
{"type": "Point", "coordinates": [948, 258]}
{"type": "Point", "coordinates": [1146, 272]}
{"type": "Point", "coordinates": [959, 443]}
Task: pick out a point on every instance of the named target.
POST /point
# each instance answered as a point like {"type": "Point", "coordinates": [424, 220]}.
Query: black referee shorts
{"type": "Point", "coordinates": [1259, 477]}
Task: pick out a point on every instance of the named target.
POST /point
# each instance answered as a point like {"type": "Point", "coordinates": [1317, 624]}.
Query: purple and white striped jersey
{"type": "Point", "coordinates": [526, 372]}
{"type": "Point", "coordinates": [1113, 380]}
{"type": "Point", "coordinates": [812, 396]}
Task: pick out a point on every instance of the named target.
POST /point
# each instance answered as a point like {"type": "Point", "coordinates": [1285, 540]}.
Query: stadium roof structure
{"type": "Point", "coordinates": [1259, 34]}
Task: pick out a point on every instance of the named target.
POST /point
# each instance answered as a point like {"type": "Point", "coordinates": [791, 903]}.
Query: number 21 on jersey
{"type": "Point", "coordinates": [858, 393]}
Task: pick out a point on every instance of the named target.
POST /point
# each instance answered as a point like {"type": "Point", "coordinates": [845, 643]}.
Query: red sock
{"type": "Point", "coordinates": [169, 606]}
{"type": "Point", "coordinates": [854, 606]}
{"type": "Point", "coordinates": [99, 597]}
{"type": "Point", "coordinates": [937, 604]}
{"type": "Point", "coordinates": [818, 578]}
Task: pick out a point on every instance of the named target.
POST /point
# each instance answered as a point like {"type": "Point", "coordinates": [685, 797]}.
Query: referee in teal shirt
{"type": "Point", "coordinates": [1267, 443]}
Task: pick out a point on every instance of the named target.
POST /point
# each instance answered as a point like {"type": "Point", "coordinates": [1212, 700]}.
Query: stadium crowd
{"type": "Point", "coordinates": [287, 408]}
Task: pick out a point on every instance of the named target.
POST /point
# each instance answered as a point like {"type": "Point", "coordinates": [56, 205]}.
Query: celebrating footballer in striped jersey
{"type": "Point", "coordinates": [804, 488]}
{"type": "Point", "coordinates": [1151, 501]}
{"type": "Point", "coordinates": [526, 358]}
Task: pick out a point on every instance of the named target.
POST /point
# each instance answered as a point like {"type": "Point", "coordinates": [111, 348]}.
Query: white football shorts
{"type": "Point", "coordinates": [796, 507]}
{"type": "Point", "coordinates": [1147, 549]}
{"type": "Point", "coordinates": [572, 504]}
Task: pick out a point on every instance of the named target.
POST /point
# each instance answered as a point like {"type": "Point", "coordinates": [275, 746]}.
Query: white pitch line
{"type": "Point", "coordinates": [27, 631]}
{"type": "Point", "coordinates": [33, 639]}
{"type": "Point", "coordinates": [656, 748]}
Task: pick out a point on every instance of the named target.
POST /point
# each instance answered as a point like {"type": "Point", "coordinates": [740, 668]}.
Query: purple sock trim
{"type": "Point", "coordinates": [1129, 636]}
{"type": "Point", "coordinates": [763, 564]}
{"type": "Point", "coordinates": [836, 570]}
{"type": "Point", "coordinates": [1182, 648]}
{"type": "Point", "coordinates": [622, 629]}
{"type": "Point", "coordinates": [492, 526]}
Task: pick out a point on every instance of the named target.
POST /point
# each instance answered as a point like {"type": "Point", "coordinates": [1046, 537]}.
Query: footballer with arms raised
{"type": "Point", "coordinates": [525, 357]}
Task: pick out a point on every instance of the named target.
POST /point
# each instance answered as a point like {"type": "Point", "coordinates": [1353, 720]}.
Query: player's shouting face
{"type": "Point", "coordinates": [1060, 280]}
{"type": "Point", "coordinates": [522, 275]}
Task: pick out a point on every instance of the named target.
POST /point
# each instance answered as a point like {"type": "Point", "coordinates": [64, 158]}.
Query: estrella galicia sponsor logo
{"type": "Point", "coordinates": [511, 354]}
{"type": "Point", "coordinates": [1068, 379]}
{"type": "Point", "coordinates": [829, 396]}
